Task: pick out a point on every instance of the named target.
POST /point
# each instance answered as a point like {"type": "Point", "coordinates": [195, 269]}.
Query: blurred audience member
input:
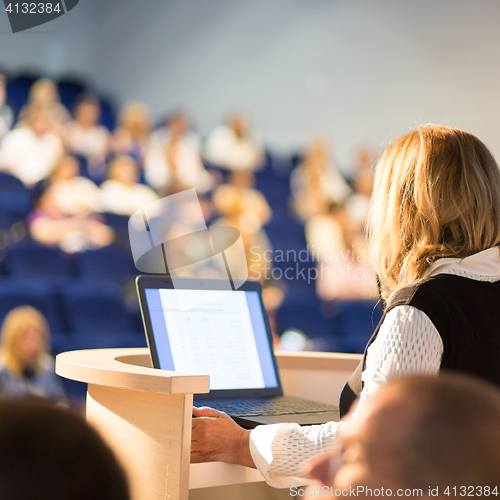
{"type": "Point", "coordinates": [175, 167]}
{"type": "Point", "coordinates": [418, 437]}
{"type": "Point", "coordinates": [49, 453]}
{"type": "Point", "coordinates": [240, 186]}
{"type": "Point", "coordinates": [45, 94]}
{"type": "Point", "coordinates": [247, 210]}
{"type": "Point", "coordinates": [26, 368]}
{"type": "Point", "coordinates": [134, 130]}
{"type": "Point", "coordinates": [337, 243]}
{"type": "Point", "coordinates": [31, 153]}
{"type": "Point", "coordinates": [6, 114]}
{"type": "Point", "coordinates": [358, 203]}
{"type": "Point", "coordinates": [121, 193]}
{"type": "Point", "coordinates": [73, 194]}
{"type": "Point", "coordinates": [317, 182]}
{"type": "Point", "coordinates": [86, 137]}
{"type": "Point", "coordinates": [233, 145]}
{"type": "Point", "coordinates": [178, 127]}
{"type": "Point", "coordinates": [325, 232]}
{"type": "Point", "coordinates": [73, 233]}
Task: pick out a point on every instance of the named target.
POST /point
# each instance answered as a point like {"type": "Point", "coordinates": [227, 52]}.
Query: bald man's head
{"type": "Point", "coordinates": [421, 432]}
{"type": "Point", "coordinates": [453, 432]}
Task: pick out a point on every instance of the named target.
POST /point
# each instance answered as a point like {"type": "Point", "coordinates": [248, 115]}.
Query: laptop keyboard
{"type": "Point", "coordinates": [285, 405]}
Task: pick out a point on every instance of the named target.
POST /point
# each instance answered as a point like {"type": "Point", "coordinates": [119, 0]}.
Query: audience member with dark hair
{"type": "Point", "coordinates": [234, 146]}
{"type": "Point", "coordinates": [84, 135]}
{"type": "Point", "coordinates": [26, 368]}
{"type": "Point", "coordinates": [48, 453]}
{"type": "Point", "coordinates": [173, 164]}
{"type": "Point", "coordinates": [419, 434]}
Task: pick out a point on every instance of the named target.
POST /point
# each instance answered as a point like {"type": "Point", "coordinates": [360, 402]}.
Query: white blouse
{"type": "Point", "coordinates": [407, 344]}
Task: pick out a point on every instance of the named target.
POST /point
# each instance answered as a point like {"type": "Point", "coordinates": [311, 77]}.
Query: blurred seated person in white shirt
{"type": "Point", "coordinates": [233, 145]}
{"type": "Point", "coordinates": [121, 193]}
{"type": "Point", "coordinates": [44, 93]}
{"type": "Point", "coordinates": [337, 244]}
{"type": "Point", "coordinates": [6, 114]}
{"type": "Point", "coordinates": [73, 194]}
{"type": "Point", "coordinates": [317, 182]}
{"type": "Point", "coordinates": [175, 167]}
{"type": "Point", "coordinates": [31, 153]}
{"type": "Point", "coordinates": [72, 233]}
{"type": "Point", "coordinates": [26, 368]}
{"type": "Point", "coordinates": [133, 133]}
{"type": "Point", "coordinates": [177, 126]}
{"type": "Point", "coordinates": [84, 135]}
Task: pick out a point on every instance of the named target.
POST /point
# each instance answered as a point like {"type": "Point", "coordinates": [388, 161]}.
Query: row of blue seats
{"type": "Point", "coordinates": [340, 326]}
{"type": "Point", "coordinates": [77, 306]}
{"type": "Point", "coordinates": [102, 308]}
{"type": "Point", "coordinates": [28, 259]}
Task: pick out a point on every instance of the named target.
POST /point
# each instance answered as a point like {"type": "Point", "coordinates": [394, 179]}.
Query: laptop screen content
{"type": "Point", "coordinates": [222, 335]}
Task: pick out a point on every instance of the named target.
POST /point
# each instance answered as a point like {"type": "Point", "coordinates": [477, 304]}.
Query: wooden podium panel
{"type": "Point", "coordinates": [145, 416]}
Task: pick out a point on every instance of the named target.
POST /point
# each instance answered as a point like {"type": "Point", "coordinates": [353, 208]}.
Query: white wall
{"type": "Point", "coordinates": [61, 46]}
{"type": "Point", "coordinates": [354, 70]}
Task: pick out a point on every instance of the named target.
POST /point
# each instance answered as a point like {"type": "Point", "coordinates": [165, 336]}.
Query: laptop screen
{"type": "Point", "coordinates": [222, 335]}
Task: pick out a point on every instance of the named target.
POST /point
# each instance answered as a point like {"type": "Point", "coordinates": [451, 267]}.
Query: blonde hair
{"type": "Point", "coordinates": [15, 325]}
{"type": "Point", "coordinates": [41, 85]}
{"type": "Point", "coordinates": [436, 194]}
{"type": "Point", "coordinates": [135, 117]}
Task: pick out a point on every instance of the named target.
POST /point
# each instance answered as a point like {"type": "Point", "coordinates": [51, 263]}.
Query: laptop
{"type": "Point", "coordinates": [203, 328]}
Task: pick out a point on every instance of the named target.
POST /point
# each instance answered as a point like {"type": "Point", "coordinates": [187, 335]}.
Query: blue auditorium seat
{"type": "Point", "coordinates": [108, 263]}
{"type": "Point", "coordinates": [18, 292]}
{"type": "Point", "coordinates": [18, 89]}
{"type": "Point", "coordinates": [95, 307]}
{"type": "Point", "coordinates": [116, 221]}
{"type": "Point", "coordinates": [28, 259]}
{"type": "Point", "coordinates": [359, 318]}
{"type": "Point", "coordinates": [275, 189]}
{"type": "Point", "coordinates": [281, 165]}
{"type": "Point", "coordinates": [8, 219]}
{"type": "Point", "coordinates": [15, 197]}
{"type": "Point", "coordinates": [69, 90]}
{"type": "Point", "coordinates": [309, 320]}
{"type": "Point", "coordinates": [108, 113]}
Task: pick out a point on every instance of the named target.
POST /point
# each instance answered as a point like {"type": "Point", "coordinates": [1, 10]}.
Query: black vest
{"type": "Point", "coordinates": [465, 312]}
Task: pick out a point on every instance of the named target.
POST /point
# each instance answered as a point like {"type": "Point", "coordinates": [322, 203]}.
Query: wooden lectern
{"type": "Point", "coordinates": [144, 414]}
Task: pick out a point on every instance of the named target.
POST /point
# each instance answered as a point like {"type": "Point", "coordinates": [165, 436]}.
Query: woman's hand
{"type": "Point", "coordinates": [216, 437]}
